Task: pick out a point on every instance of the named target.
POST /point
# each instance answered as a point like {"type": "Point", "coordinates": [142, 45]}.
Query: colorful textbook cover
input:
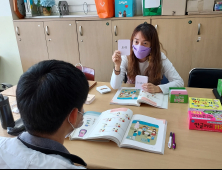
{"type": "Point", "coordinates": [125, 129]}
{"type": "Point", "coordinates": [205, 114]}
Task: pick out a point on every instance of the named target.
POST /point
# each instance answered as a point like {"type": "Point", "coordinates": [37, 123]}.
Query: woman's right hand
{"type": "Point", "coordinates": [117, 58]}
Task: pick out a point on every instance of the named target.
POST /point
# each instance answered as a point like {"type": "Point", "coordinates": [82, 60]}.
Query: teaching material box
{"type": "Point", "coordinates": [124, 8]}
{"type": "Point", "coordinates": [205, 114]}
{"type": "Point", "coordinates": [178, 95]}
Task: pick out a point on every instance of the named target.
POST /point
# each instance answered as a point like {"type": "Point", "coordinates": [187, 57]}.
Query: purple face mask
{"type": "Point", "coordinates": [141, 52]}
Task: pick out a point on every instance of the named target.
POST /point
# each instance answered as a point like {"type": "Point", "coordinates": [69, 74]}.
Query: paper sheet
{"type": "Point", "coordinates": [152, 3]}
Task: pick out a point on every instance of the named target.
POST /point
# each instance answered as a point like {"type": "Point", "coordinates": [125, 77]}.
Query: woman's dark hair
{"type": "Point", "coordinates": [47, 93]}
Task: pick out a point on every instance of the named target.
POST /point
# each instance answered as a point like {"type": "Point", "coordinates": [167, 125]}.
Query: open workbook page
{"type": "Point", "coordinates": [157, 100]}
{"type": "Point", "coordinates": [146, 133]}
{"type": "Point", "coordinates": [111, 125]}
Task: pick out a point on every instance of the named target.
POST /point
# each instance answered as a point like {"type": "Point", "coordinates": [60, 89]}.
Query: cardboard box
{"type": "Point", "coordinates": [209, 121]}
{"type": "Point", "coordinates": [219, 87]}
{"type": "Point", "coordinates": [174, 7]}
{"type": "Point", "coordinates": [200, 5]}
{"type": "Point", "coordinates": [205, 114]}
{"type": "Point", "coordinates": [178, 96]}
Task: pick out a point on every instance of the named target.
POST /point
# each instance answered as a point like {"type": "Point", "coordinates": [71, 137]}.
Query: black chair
{"type": "Point", "coordinates": [5, 86]}
{"type": "Point", "coordinates": [204, 77]}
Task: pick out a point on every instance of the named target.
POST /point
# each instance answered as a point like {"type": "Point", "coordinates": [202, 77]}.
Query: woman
{"type": "Point", "coordinates": [145, 59]}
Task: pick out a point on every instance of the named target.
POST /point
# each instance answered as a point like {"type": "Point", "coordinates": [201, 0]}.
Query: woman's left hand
{"type": "Point", "coordinates": [149, 87]}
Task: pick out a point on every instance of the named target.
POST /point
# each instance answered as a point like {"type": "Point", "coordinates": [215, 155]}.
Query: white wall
{"type": "Point", "coordinates": [10, 63]}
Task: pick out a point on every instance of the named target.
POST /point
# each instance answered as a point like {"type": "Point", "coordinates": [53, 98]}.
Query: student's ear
{"type": "Point", "coordinates": [73, 116]}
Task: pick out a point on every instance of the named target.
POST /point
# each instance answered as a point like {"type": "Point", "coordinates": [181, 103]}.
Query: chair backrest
{"type": "Point", "coordinates": [89, 72]}
{"type": "Point", "coordinates": [164, 80]}
{"type": "Point", "coordinates": [204, 77]}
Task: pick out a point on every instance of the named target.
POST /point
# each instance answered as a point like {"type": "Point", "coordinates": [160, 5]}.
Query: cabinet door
{"type": "Point", "coordinates": [207, 53]}
{"type": "Point", "coordinates": [62, 42]}
{"type": "Point", "coordinates": [177, 37]}
{"type": "Point", "coordinates": [31, 42]}
{"type": "Point", "coordinates": [123, 29]}
{"type": "Point", "coordinates": [95, 46]}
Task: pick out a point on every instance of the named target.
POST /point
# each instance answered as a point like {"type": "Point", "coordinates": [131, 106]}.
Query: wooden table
{"type": "Point", "coordinates": [195, 149]}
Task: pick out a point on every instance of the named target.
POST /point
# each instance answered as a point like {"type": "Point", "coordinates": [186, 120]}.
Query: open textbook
{"type": "Point", "coordinates": [134, 97]}
{"type": "Point", "coordinates": [125, 129]}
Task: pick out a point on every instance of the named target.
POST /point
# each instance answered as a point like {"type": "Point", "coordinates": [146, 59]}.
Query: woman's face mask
{"type": "Point", "coordinates": [141, 52]}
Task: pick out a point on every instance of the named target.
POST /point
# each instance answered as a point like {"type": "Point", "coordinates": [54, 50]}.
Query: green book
{"type": "Point", "coordinates": [219, 87]}
{"type": "Point", "coordinates": [151, 11]}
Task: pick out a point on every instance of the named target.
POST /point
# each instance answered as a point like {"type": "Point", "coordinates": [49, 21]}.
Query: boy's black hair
{"type": "Point", "coordinates": [47, 93]}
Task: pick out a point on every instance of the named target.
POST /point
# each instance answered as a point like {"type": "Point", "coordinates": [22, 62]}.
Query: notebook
{"type": "Point", "coordinates": [134, 97]}
{"type": "Point", "coordinates": [125, 129]}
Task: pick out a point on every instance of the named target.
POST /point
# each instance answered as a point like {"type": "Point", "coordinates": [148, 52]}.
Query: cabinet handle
{"type": "Point", "coordinates": [17, 31]}
{"type": "Point", "coordinates": [47, 30]}
{"type": "Point", "coordinates": [156, 26]}
{"type": "Point", "coordinates": [80, 31]}
{"type": "Point", "coordinates": [199, 29]}
{"type": "Point", "coordinates": [115, 30]}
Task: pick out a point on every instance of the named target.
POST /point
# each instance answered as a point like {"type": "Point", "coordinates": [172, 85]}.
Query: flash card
{"type": "Point", "coordinates": [140, 80]}
{"type": "Point", "coordinates": [124, 47]}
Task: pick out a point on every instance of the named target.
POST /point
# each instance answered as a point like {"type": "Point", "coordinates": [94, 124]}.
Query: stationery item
{"type": "Point", "coordinates": [134, 97]}
{"type": "Point", "coordinates": [152, 7]}
{"type": "Point", "coordinates": [105, 8]}
{"type": "Point", "coordinates": [140, 80]}
{"type": "Point", "coordinates": [178, 96]}
{"type": "Point", "coordinates": [174, 7]}
{"type": "Point", "coordinates": [205, 114]}
{"type": "Point", "coordinates": [103, 89]}
{"type": "Point", "coordinates": [125, 129]}
{"type": "Point", "coordinates": [90, 99]}
{"type": "Point", "coordinates": [124, 47]}
{"type": "Point", "coordinates": [124, 8]}
{"type": "Point", "coordinates": [174, 141]}
{"type": "Point", "coordinates": [219, 87]}
{"type": "Point", "coordinates": [170, 143]}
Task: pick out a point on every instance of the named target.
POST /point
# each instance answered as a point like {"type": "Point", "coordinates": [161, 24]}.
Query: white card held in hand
{"type": "Point", "coordinates": [140, 80]}
{"type": "Point", "coordinates": [124, 47]}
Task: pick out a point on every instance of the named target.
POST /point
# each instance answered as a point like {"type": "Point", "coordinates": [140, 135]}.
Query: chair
{"type": "Point", "coordinates": [204, 77]}
{"type": "Point", "coordinates": [89, 72]}
{"type": "Point", "coordinates": [5, 86]}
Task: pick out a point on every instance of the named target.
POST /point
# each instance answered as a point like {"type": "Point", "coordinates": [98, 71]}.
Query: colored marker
{"type": "Point", "coordinates": [170, 140]}
{"type": "Point", "coordinates": [174, 143]}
